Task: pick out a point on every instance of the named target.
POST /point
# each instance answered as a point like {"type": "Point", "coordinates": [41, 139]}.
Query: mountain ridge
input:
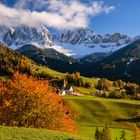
{"type": "Point", "coordinates": [122, 64]}
{"type": "Point", "coordinates": [51, 58]}
{"type": "Point", "coordinates": [77, 43]}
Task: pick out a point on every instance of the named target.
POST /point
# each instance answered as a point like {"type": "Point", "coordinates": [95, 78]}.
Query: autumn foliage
{"type": "Point", "coordinates": [76, 80]}
{"type": "Point", "coordinates": [28, 102]}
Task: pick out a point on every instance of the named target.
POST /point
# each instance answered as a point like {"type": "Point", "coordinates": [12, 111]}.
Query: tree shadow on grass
{"type": "Point", "coordinates": [135, 119]}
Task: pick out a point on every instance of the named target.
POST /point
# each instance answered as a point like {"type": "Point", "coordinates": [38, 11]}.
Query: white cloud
{"type": "Point", "coordinates": [58, 14]}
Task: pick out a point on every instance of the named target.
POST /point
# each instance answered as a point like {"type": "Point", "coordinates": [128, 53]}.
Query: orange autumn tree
{"type": "Point", "coordinates": [1, 86]}
{"type": "Point", "coordinates": [29, 102]}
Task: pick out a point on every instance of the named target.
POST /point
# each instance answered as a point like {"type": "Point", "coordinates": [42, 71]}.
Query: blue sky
{"type": "Point", "coordinates": [125, 18]}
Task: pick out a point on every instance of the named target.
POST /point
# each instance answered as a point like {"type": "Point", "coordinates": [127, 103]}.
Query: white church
{"type": "Point", "coordinates": [68, 90]}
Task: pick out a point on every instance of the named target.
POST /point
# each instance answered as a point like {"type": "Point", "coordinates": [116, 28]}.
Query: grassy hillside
{"type": "Point", "coordinates": [11, 133]}
{"type": "Point", "coordinates": [96, 111]}
{"type": "Point", "coordinates": [11, 61]}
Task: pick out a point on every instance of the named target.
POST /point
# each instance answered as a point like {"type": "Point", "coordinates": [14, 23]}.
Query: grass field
{"type": "Point", "coordinates": [93, 112]}
{"type": "Point", "coordinates": [100, 111]}
{"type": "Point", "coordinates": [89, 132]}
{"type": "Point", "coordinates": [48, 71]}
{"type": "Point", "coordinates": [11, 133]}
{"type": "Point", "coordinates": [86, 91]}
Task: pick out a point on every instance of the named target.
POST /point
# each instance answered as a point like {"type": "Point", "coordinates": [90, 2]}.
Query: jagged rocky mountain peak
{"type": "Point", "coordinates": [21, 35]}
{"type": "Point", "coordinates": [88, 36]}
{"type": "Point", "coordinates": [77, 43]}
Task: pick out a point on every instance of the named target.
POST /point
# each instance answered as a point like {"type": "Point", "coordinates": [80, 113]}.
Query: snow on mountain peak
{"type": "Point", "coordinates": [12, 30]}
{"type": "Point", "coordinates": [83, 42]}
{"type": "Point", "coordinates": [77, 43]}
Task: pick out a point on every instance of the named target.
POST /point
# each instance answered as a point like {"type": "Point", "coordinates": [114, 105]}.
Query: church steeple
{"type": "Point", "coordinates": [64, 83]}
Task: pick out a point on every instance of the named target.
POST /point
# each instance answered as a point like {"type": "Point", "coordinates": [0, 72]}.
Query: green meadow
{"type": "Point", "coordinates": [96, 111]}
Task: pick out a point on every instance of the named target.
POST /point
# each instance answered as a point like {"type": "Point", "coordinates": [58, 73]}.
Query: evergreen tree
{"type": "Point", "coordinates": [123, 134]}
{"type": "Point", "coordinates": [97, 134]}
{"type": "Point", "coordinates": [106, 134]}
{"type": "Point", "coordinates": [103, 84]}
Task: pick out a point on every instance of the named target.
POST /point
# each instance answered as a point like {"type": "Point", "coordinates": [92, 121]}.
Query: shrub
{"type": "Point", "coordinates": [28, 102]}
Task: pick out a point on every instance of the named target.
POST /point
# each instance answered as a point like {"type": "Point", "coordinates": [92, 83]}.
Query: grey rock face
{"type": "Point", "coordinates": [89, 38]}
{"type": "Point", "coordinates": [20, 36]}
